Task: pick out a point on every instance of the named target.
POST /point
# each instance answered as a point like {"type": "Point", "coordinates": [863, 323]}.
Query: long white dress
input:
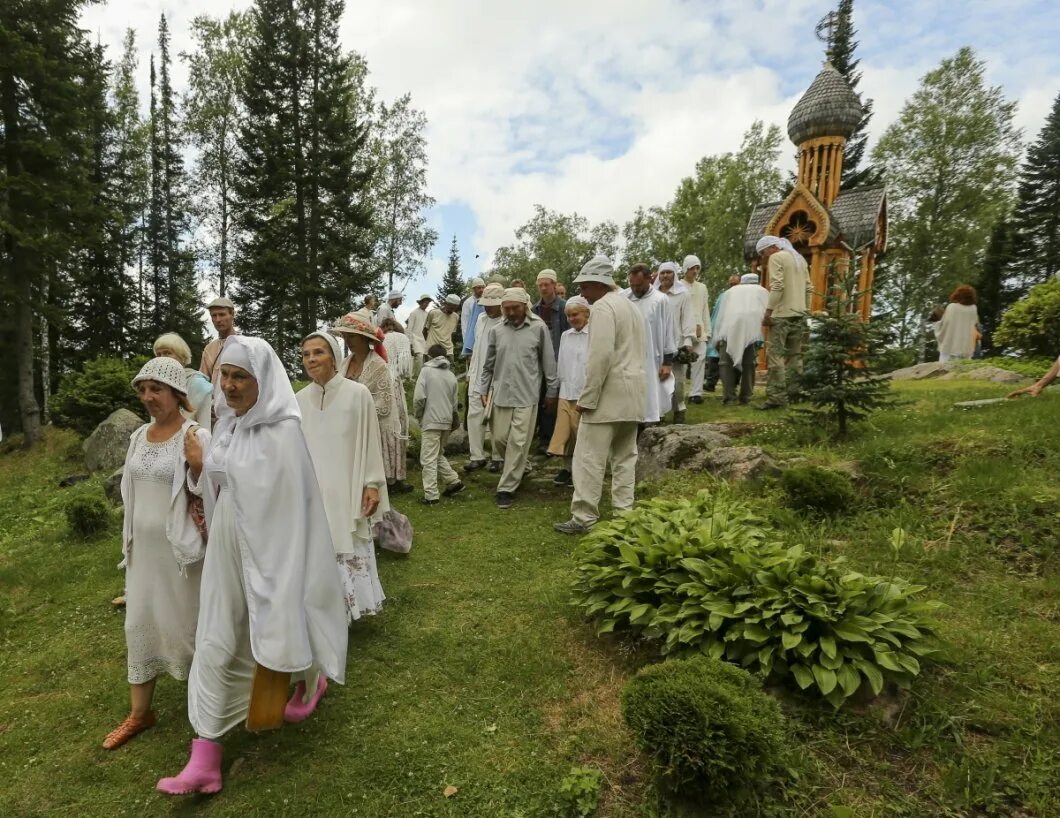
{"type": "Point", "coordinates": [342, 432]}
{"type": "Point", "coordinates": [270, 594]}
{"type": "Point", "coordinates": [660, 342]}
{"type": "Point", "coordinates": [161, 600]}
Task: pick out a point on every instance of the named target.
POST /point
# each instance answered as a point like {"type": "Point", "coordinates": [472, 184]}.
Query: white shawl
{"type": "Point", "coordinates": [740, 319]}
{"type": "Point", "coordinates": [342, 432]}
{"type": "Point", "coordinates": [294, 598]}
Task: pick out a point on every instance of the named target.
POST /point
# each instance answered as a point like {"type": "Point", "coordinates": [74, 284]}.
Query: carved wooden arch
{"type": "Point", "coordinates": [800, 199]}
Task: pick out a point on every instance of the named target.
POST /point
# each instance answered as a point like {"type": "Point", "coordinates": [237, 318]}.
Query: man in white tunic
{"type": "Point", "coordinates": [393, 301]}
{"type": "Point", "coordinates": [270, 602]}
{"type": "Point", "coordinates": [612, 400]}
{"type": "Point", "coordinates": [342, 431]}
{"type": "Point", "coordinates": [737, 333]}
{"type": "Point", "coordinates": [659, 346]}
{"type": "Point", "coordinates": [684, 331]}
{"type": "Point", "coordinates": [414, 328]}
{"type": "Point", "coordinates": [518, 356]}
{"type": "Point", "coordinates": [700, 298]}
{"type": "Point", "coordinates": [490, 301]}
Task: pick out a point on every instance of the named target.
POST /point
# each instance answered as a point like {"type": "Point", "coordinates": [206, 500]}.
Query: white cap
{"type": "Point", "coordinates": [477, 282]}
{"type": "Point", "coordinates": [547, 275]}
{"type": "Point", "coordinates": [423, 298]}
{"type": "Point", "coordinates": [164, 370]}
{"type": "Point", "coordinates": [395, 296]}
{"type": "Point", "coordinates": [690, 261]}
{"type": "Point", "coordinates": [452, 300]}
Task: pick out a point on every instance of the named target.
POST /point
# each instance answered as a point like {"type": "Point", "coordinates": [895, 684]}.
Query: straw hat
{"type": "Point", "coordinates": [351, 324]}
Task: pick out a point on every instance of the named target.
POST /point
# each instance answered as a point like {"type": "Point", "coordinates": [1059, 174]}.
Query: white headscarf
{"type": "Point", "coordinates": [333, 345]}
{"type": "Point", "coordinates": [783, 244]}
{"type": "Point", "coordinates": [275, 395]}
{"type": "Point", "coordinates": [679, 285]}
{"type": "Point", "coordinates": [740, 319]}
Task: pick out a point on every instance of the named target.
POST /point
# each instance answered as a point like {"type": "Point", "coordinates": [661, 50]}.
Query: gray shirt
{"type": "Point", "coordinates": [434, 401]}
{"type": "Point", "coordinates": [516, 359]}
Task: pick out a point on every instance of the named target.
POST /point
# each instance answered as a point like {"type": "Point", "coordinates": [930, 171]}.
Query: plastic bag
{"type": "Point", "coordinates": [394, 532]}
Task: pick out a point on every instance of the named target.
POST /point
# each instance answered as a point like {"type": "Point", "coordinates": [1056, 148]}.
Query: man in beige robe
{"type": "Point", "coordinates": [612, 402]}
{"type": "Point", "coordinates": [788, 281]}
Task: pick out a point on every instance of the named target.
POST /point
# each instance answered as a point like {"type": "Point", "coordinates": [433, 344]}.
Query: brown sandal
{"type": "Point", "coordinates": [129, 729]}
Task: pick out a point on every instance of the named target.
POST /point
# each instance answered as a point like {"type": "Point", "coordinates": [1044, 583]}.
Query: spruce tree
{"type": "Point", "coordinates": [838, 380]}
{"type": "Point", "coordinates": [842, 46]}
{"type": "Point", "coordinates": [994, 286]}
{"type": "Point", "coordinates": [299, 191]}
{"type": "Point", "coordinates": [452, 282]}
{"type": "Point", "coordinates": [1037, 217]}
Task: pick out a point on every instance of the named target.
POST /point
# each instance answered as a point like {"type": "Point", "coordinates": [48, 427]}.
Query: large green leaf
{"type": "Point", "coordinates": [872, 673]}
{"type": "Point", "coordinates": [826, 680]}
{"type": "Point", "coordinates": [803, 677]}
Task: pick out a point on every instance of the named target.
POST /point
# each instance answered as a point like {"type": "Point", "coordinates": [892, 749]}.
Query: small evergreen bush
{"type": "Point", "coordinates": [88, 515]}
{"type": "Point", "coordinates": [87, 397]}
{"type": "Point", "coordinates": [1032, 325]}
{"type": "Point", "coordinates": [707, 727]}
{"type": "Point", "coordinates": [811, 488]}
{"type": "Point", "coordinates": [706, 575]}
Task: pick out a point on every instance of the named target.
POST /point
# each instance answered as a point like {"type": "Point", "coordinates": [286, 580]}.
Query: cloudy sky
{"type": "Point", "coordinates": [602, 105]}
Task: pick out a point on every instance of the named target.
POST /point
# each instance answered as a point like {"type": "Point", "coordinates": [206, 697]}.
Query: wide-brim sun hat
{"type": "Point", "coordinates": [599, 270]}
{"type": "Point", "coordinates": [164, 370]}
{"type": "Point", "coordinates": [351, 324]}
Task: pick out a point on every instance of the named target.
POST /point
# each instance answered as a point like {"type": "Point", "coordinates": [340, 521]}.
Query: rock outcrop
{"type": "Point", "coordinates": [105, 448]}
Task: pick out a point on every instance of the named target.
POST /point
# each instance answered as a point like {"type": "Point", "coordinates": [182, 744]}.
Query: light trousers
{"type": "Point", "coordinates": [680, 372]}
{"type": "Point", "coordinates": [784, 359]}
{"type": "Point", "coordinates": [598, 443]}
{"type": "Point", "coordinates": [433, 462]}
{"type": "Point", "coordinates": [476, 429]}
{"type": "Point", "coordinates": [699, 370]}
{"type": "Point", "coordinates": [513, 436]}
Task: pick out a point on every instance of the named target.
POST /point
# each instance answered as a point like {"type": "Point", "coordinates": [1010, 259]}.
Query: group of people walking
{"type": "Point", "coordinates": [250, 509]}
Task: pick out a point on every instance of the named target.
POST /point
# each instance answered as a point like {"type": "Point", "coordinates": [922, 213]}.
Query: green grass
{"type": "Point", "coordinates": [478, 676]}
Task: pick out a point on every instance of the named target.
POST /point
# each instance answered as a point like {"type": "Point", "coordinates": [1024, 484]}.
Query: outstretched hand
{"type": "Point", "coordinates": [369, 501]}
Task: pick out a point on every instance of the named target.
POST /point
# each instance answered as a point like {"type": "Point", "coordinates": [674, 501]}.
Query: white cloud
{"type": "Point", "coordinates": [598, 106]}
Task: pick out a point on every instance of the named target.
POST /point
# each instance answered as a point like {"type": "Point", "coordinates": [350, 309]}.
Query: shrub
{"type": "Point", "coordinates": [88, 515]}
{"type": "Point", "coordinates": [1032, 326]}
{"type": "Point", "coordinates": [707, 727]}
{"type": "Point", "coordinates": [811, 488]}
{"type": "Point", "coordinates": [87, 397]}
{"type": "Point", "coordinates": [706, 575]}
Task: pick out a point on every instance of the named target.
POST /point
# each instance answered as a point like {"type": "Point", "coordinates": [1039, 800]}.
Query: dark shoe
{"type": "Point", "coordinates": [679, 417]}
{"type": "Point", "coordinates": [709, 388]}
{"type": "Point", "coordinates": [768, 407]}
{"type": "Point", "coordinates": [427, 501]}
{"type": "Point", "coordinates": [399, 487]}
{"type": "Point", "coordinates": [504, 499]}
{"type": "Point", "coordinates": [696, 399]}
{"type": "Point", "coordinates": [563, 478]}
{"type": "Point", "coordinates": [744, 402]}
{"type": "Point", "coordinates": [571, 527]}
{"type": "Point", "coordinates": [455, 488]}
{"type": "Point", "coordinates": [474, 465]}
{"type": "Point", "coordinates": [728, 402]}
{"type": "Point", "coordinates": [494, 467]}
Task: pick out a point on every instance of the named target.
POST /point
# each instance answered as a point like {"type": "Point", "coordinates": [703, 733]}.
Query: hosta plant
{"type": "Point", "coordinates": [705, 574]}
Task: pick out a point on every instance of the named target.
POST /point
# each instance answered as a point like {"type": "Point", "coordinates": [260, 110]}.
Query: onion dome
{"type": "Point", "coordinates": [828, 108]}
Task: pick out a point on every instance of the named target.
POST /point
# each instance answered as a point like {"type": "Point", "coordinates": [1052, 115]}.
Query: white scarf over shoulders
{"type": "Point", "coordinates": [740, 319]}
{"type": "Point", "coordinates": [293, 595]}
{"type": "Point", "coordinates": [342, 432]}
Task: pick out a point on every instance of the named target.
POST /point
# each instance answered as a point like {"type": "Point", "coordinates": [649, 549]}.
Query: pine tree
{"type": "Point", "coordinates": [154, 239]}
{"type": "Point", "coordinates": [842, 46]}
{"type": "Point", "coordinates": [994, 285]}
{"type": "Point", "coordinates": [1036, 220]}
{"type": "Point", "coordinates": [45, 65]}
{"type": "Point", "coordinates": [452, 282]}
{"type": "Point", "coordinates": [300, 203]}
{"type": "Point", "coordinates": [838, 379]}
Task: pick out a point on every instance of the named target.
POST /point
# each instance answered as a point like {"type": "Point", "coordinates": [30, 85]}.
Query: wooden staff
{"type": "Point", "coordinates": [268, 698]}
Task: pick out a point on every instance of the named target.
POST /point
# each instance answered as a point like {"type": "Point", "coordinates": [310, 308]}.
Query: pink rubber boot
{"type": "Point", "coordinates": [298, 710]}
{"type": "Point", "coordinates": [202, 773]}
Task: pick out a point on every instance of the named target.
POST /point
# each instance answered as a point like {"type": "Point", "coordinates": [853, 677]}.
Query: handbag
{"type": "Point", "coordinates": [394, 532]}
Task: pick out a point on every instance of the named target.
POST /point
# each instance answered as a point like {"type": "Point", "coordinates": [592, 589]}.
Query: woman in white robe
{"type": "Point", "coordinates": [162, 548]}
{"type": "Point", "coordinates": [270, 595]}
{"type": "Point", "coordinates": [342, 432]}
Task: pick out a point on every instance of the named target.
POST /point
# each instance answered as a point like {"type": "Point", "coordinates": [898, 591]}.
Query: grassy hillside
{"type": "Point", "coordinates": [478, 676]}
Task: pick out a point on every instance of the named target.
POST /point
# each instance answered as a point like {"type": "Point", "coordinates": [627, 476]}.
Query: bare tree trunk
{"type": "Point", "coordinates": [45, 353]}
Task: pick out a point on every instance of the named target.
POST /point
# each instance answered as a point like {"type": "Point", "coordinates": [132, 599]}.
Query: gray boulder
{"type": "Point", "coordinates": [675, 447]}
{"type": "Point", "coordinates": [741, 463]}
{"type": "Point", "coordinates": [993, 374]}
{"type": "Point", "coordinates": [921, 372]}
{"type": "Point", "coordinates": [457, 443]}
{"type": "Point", "coordinates": [112, 486]}
{"type": "Point", "coordinates": [105, 448]}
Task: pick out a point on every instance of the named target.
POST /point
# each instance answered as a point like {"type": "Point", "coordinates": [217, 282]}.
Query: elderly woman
{"type": "Point", "coordinates": [270, 602]}
{"type": "Point", "coordinates": [367, 364]}
{"type": "Point", "coordinates": [342, 432]}
{"type": "Point", "coordinates": [200, 390]}
{"type": "Point", "coordinates": [161, 544]}
{"type": "Point", "coordinates": [958, 331]}
{"type": "Point", "coordinates": [573, 358]}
